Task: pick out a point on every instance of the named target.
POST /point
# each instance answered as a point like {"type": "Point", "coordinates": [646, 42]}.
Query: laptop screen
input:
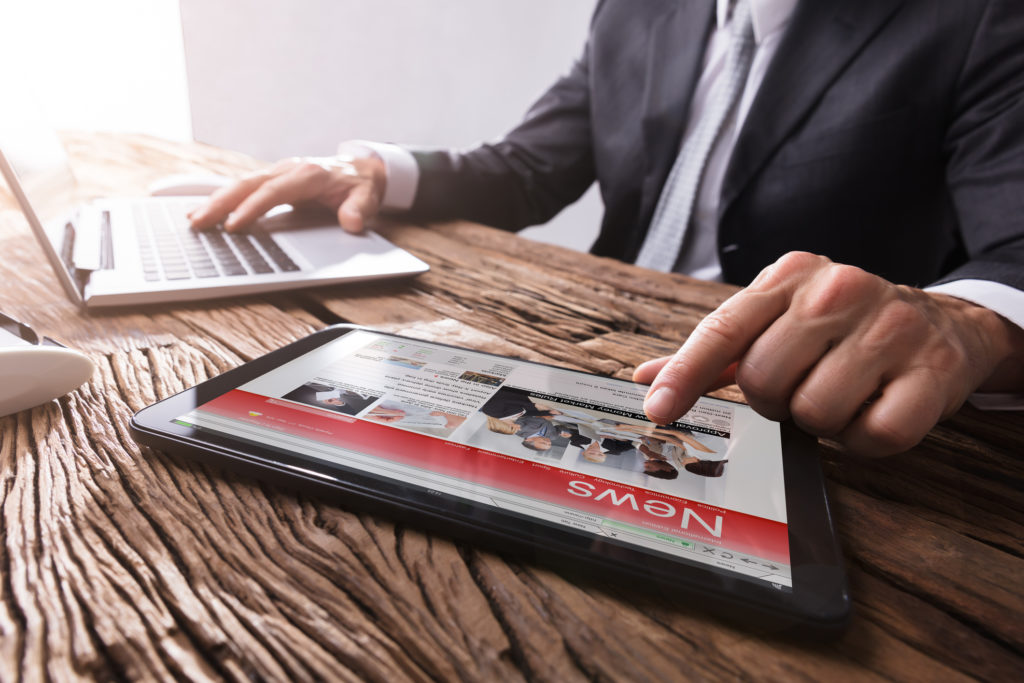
{"type": "Point", "coordinates": [35, 165]}
{"type": "Point", "coordinates": [37, 156]}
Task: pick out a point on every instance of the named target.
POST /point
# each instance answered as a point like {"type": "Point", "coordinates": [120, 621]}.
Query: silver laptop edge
{"type": "Point", "coordinates": [364, 258]}
{"type": "Point", "coordinates": [66, 277]}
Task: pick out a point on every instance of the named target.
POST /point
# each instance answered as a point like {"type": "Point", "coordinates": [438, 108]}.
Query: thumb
{"type": "Point", "coordinates": [648, 370]}
{"type": "Point", "coordinates": [360, 206]}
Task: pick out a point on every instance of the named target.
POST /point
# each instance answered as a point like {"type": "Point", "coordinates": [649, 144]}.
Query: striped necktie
{"type": "Point", "coordinates": [664, 241]}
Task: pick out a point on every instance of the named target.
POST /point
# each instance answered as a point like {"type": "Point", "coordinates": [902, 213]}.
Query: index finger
{"type": "Point", "coordinates": [718, 341]}
{"type": "Point", "coordinates": [223, 201]}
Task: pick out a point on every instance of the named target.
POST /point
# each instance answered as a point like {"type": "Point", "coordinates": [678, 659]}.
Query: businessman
{"type": "Point", "coordinates": [540, 434]}
{"type": "Point", "coordinates": [832, 156]}
{"type": "Point", "coordinates": [329, 397]}
{"type": "Point", "coordinates": [511, 403]}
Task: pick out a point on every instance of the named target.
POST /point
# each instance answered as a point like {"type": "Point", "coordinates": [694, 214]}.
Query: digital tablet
{"type": "Point", "coordinates": [723, 507]}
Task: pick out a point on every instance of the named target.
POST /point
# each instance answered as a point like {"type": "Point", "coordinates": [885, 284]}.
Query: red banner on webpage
{"type": "Point", "coordinates": [680, 517]}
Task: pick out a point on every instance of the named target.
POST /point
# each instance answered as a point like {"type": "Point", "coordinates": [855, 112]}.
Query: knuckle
{"type": "Point", "coordinates": [947, 359]}
{"type": "Point", "coordinates": [815, 416]}
{"type": "Point", "coordinates": [280, 166]}
{"type": "Point", "coordinates": [721, 326]}
{"type": "Point", "coordinates": [268, 194]}
{"type": "Point", "coordinates": [764, 390]}
{"type": "Point", "coordinates": [756, 384]}
{"type": "Point", "coordinates": [838, 287]}
{"type": "Point", "coordinates": [250, 181]}
{"type": "Point", "coordinates": [769, 278]}
{"type": "Point", "coordinates": [791, 267]}
{"type": "Point", "coordinates": [897, 324]}
{"type": "Point", "coordinates": [307, 169]}
{"type": "Point", "coordinates": [271, 184]}
{"type": "Point", "coordinates": [800, 263]}
{"type": "Point", "coordinates": [888, 437]}
{"type": "Point", "coordinates": [847, 277]}
{"type": "Point", "coordinates": [217, 197]}
{"type": "Point", "coordinates": [901, 315]}
{"type": "Point", "coordinates": [800, 260]}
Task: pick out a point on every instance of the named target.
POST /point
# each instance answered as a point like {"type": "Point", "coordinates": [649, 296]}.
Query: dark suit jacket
{"type": "Point", "coordinates": [509, 401]}
{"type": "Point", "coordinates": [530, 424]}
{"type": "Point", "coordinates": [307, 393]}
{"type": "Point", "coordinates": [887, 134]}
{"type": "Point", "coordinates": [354, 403]}
{"type": "Point", "coordinates": [575, 438]}
{"type": "Point", "coordinates": [538, 426]}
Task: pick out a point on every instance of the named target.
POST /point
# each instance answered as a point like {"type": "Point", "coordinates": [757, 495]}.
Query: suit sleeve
{"type": "Point", "coordinates": [539, 168]}
{"type": "Point", "coordinates": [985, 149]}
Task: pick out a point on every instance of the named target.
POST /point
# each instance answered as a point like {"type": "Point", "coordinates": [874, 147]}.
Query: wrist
{"type": "Point", "coordinates": [401, 172]}
{"type": "Point", "coordinates": [367, 161]}
{"type": "Point", "coordinates": [1008, 373]}
{"type": "Point", "coordinates": [995, 344]}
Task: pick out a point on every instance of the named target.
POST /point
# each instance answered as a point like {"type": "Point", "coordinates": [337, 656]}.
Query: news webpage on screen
{"type": "Point", "coordinates": [561, 447]}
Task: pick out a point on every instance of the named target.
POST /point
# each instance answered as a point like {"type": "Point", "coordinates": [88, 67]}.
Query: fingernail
{"type": "Point", "coordinates": [660, 403]}
{"type": "Point", "coordinates": [638, 369]}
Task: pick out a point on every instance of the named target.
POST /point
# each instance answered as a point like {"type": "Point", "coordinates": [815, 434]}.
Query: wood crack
{"type": "Point", "coordinates": [15, 609]}
{"type": "Point", "coordinates": [516, 651]}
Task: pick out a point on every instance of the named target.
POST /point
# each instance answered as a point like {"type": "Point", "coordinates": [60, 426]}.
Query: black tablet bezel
{"type": "Point", "coordinates": [818, 603]}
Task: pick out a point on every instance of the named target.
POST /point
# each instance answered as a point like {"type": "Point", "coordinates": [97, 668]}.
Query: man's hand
{"type": "Point", "coordinates": [351, 186]}
{"type": "Point", "coordinates": [450, 421]}
{"type": "Point", "coordinates": [846, 354]}
{"type": "Point", "coordinates": [386, 415]}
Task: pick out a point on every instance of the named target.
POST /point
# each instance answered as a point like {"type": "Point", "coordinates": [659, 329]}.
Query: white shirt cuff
{"type": "Point", "coordinates": [403, 175]}
{"type": "Point", "coordinates": [1006, 301]}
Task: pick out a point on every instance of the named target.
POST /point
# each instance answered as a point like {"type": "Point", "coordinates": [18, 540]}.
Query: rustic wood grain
{"type": "Point", "coordinates": [121, 563]}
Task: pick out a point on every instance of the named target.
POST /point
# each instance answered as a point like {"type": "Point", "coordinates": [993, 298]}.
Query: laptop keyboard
{"type": "Point", "coordinates": [170, 250]}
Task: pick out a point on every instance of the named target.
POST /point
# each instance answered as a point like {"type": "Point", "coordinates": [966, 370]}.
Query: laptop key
{"type": "Point", "coordinates": [282, 260]}
{"type": "Point", "coordinates": [171, 252]}
{"type": "Point", "coordinates": [275, 252]}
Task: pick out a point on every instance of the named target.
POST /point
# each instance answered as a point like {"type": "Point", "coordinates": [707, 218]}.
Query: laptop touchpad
{"type": "Point", "coordinates": [332, 245]}
{"type": "Point", "coordinates": [318, 238]}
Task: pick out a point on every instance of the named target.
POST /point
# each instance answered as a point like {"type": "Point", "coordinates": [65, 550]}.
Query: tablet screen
{"type": "Point", "coordinates": [552, 445]}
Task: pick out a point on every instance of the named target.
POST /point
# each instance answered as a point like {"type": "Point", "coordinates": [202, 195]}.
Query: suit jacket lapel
{"type": "Point", "coordinates": [821, 40]}
{"type": "Point", "coordinates": [675, 56]}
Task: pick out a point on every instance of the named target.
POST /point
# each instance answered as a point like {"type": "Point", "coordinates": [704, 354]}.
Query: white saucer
{"type": "Point", "coordinates": [30, 375]}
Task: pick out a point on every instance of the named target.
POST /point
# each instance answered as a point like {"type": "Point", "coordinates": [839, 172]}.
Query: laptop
{"type": "Point", "coordinates": [126, 251]}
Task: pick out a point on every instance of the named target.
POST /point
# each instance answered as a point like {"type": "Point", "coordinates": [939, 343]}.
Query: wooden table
{"type": "Point", "coordinates": [118, 563]}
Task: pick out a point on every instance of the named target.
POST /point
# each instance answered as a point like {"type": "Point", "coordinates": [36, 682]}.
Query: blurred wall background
{"type": "Point", "coordinates": [277, 79]}
{"type": "Point", "coordinates": [100, 64]}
